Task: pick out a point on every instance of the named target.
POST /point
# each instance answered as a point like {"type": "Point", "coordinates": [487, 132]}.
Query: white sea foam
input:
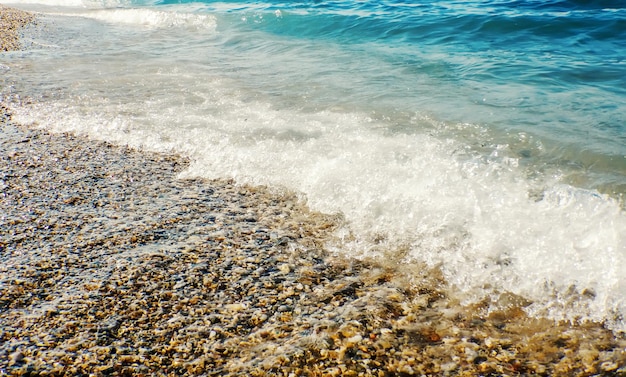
{"type": "Point", "coordinates": [57, 3]}
{"type": "Point", "coordinates": [153, 18]}
{"type": "Point", "coordinates": [145, 18]}
{"type": "Point", "coordinates": [73, 3]}
{"type": "Point", "coordinates": [118, 12]}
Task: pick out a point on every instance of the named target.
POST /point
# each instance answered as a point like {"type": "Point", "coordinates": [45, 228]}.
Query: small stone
{"type": "Point", "coordinates": [16, 357]}
{"type": "Point", "coordinates": [194, 240]}
{"type": "Point", "coordinates": [354, 340]}
{"type": "Point", "coordinates": [237, 307]}
{"type": "Point", "coordinates": [284, 268]}
{"type": "Point", "coordinates": [608, 366]}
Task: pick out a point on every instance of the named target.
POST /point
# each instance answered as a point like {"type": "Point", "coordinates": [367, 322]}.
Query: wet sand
{"type": "Point", "coordinates": [111, 265]}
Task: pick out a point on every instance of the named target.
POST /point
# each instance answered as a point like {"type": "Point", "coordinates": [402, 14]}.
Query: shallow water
{"type": "Point", "coordinates": [486, 138]}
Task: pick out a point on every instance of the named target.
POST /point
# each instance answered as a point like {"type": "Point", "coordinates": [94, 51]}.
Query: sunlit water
{"type": "Point", "coordinates": [487, 138]}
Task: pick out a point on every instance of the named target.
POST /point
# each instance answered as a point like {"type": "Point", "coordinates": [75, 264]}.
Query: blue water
{"type": "Point", "coordinates": [487, 138]}
{"type": "Point", "coordinates": [554, 70]}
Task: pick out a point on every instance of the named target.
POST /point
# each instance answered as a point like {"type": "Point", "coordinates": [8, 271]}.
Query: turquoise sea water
{"type": "Point", "coordinates": [484, 137]}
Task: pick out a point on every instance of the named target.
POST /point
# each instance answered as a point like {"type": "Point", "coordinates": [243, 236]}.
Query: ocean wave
{"type": "Point", "coordinates": [154, 18]}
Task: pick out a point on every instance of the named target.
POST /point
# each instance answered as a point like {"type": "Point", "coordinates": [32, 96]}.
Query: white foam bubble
{"type": "Point", "coordinates": [153, 18]}
{"type": "Point", "coordinates": [119, 12]}
{"type": "Point", "coordinates": [73, 3]}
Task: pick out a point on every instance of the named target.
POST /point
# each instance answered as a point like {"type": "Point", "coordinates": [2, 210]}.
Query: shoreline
{"type": "Point", "coordinates": [111, 265]}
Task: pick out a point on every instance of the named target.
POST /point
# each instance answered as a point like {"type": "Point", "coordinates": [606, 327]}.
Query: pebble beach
{"type": "Point", "coordinates": [11, 20]}
{"type": "Point", "coordinates": [111, 265]}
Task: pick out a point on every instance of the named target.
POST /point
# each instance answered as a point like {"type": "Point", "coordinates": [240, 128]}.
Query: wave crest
{"type": "Point", "coordinates": [153, 18]}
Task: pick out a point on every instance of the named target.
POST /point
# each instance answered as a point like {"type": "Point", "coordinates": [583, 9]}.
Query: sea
{"type": "Point", "coordinates": [485, 139]}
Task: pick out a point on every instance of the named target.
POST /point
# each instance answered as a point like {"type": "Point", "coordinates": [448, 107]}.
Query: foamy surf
{"type": "Point", "coordinates": [50, 3]}
{"type": "Point", "coordinates": [123, 12]}
{"type": "Point", "coordinates": [152, 18]}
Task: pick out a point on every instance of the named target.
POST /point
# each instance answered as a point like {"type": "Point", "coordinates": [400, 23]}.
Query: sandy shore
{"type": "Point", "coordinates": [110, 265]}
